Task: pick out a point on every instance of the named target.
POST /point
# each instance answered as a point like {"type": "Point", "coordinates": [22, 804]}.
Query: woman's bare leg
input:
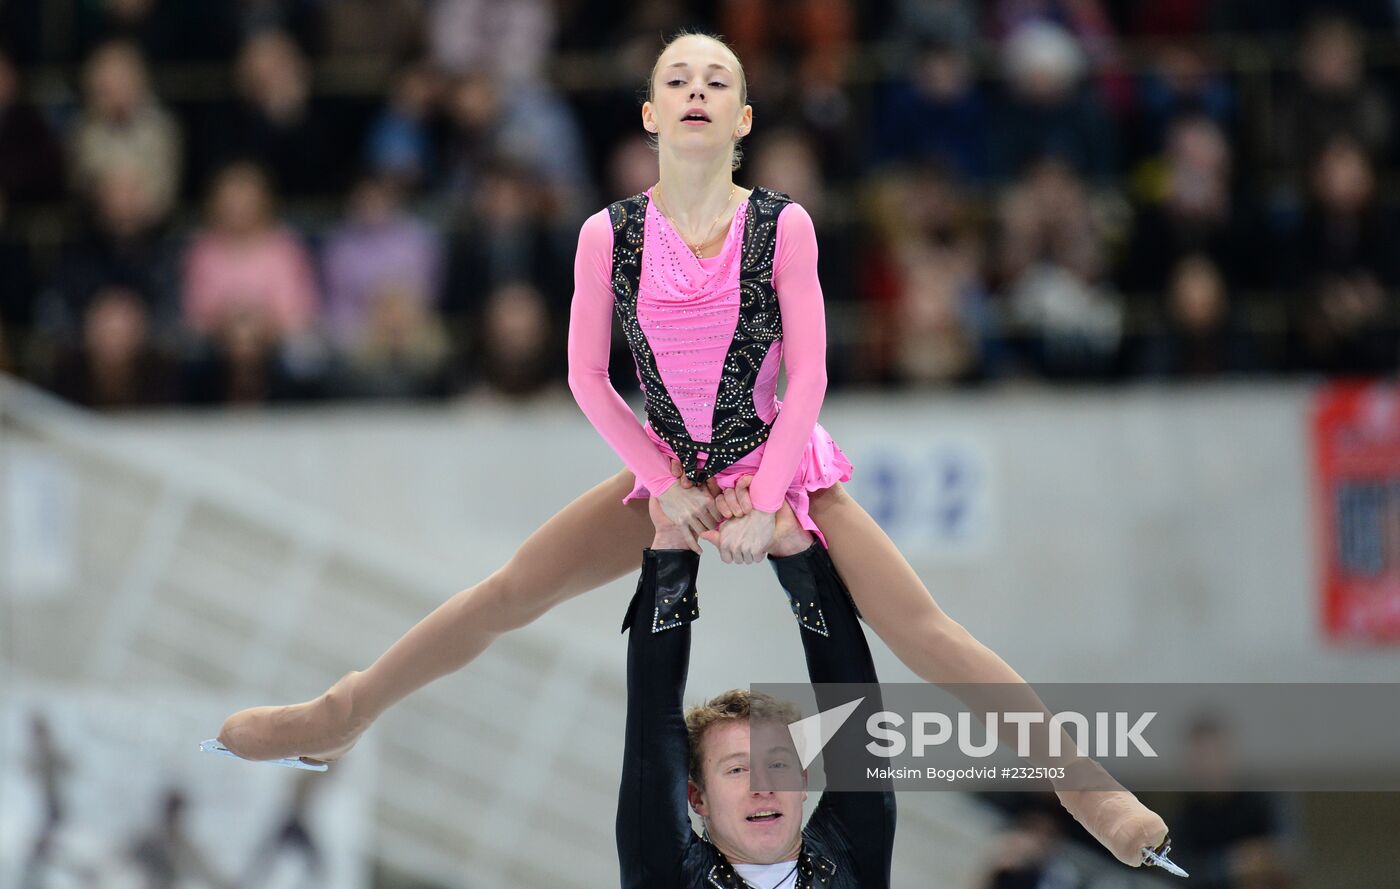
{"type": "Point", "coordinates": [593, 540]}
{"type": "Point", "coordinates": [895, 602]}
{"type": "Point", "coordinates": [897, 605]}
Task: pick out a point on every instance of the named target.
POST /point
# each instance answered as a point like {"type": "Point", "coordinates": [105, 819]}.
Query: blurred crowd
{"type": "Point", "coordinates": [164, 854]}
{"type": "Point", "coordinates": [1223, 836]}
{"type": "Point", "coordinates": [242, 201]}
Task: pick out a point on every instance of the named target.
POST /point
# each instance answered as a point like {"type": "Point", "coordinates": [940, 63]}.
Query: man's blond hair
{"type": "Point", "coordinates": [732, 705]}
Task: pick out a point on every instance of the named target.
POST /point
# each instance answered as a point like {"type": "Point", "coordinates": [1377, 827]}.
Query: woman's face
{"type": "Point", "coordinates": [116, 82]}
{"type": "Point", "coordinates": [696, 106]}
{"type": "Point", "coordinates": [241, 204]}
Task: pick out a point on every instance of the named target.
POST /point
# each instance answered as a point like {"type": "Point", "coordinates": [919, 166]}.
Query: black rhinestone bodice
{"type": "Point", "coordinates": [736, 427]}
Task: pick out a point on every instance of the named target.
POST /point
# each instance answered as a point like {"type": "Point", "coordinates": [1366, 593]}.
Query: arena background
{"type": "Point", "coordinates": [1112, 298]}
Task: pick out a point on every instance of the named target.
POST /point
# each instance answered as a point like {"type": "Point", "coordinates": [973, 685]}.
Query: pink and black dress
{"type": "Point", "coordinates": [708, 337]}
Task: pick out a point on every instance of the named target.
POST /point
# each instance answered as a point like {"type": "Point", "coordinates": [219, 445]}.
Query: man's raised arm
{"type": "Point", "coordinates": [837, 652]}
{"type": "Point", "coordinates": [653, 823]}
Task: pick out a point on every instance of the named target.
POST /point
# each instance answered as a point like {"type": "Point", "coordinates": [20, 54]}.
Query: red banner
{"type": "Point", "coordinates": [1356, 452]}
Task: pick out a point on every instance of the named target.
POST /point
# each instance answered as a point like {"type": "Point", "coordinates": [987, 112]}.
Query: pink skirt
{"type": "Point", "coordinates": [822, 465]}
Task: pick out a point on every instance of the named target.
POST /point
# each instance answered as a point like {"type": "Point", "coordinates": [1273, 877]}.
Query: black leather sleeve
{"type": "Point", "coordinates": [836, 650]}
{"type": "Point", "coordinates": [653, 823]}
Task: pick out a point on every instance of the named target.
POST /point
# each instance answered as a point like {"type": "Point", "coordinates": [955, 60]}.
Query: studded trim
{"type": "Point", "coordinates": [674, 610]}
{"type": "Point", "coordinates": [736, 429]}
{"type": "Point", "coordinates": [809, 614]}
{"type": "Point", "coordinates": [813, 871]}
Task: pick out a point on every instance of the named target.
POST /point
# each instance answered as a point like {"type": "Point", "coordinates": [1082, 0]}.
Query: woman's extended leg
{"type": "Point", "coordinates": [591, 541]}
{"type": "Point", "coordinates": [897, 605]}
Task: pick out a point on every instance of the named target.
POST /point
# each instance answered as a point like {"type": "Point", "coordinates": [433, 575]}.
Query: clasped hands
{"type": "Point", "coordinates": [724, 516]}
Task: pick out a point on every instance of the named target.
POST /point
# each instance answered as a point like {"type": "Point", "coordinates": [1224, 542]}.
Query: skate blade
{"type": "Point", "coordinates": [213, 746]}
{"type": "Point", "coordinates": [1153, 858]}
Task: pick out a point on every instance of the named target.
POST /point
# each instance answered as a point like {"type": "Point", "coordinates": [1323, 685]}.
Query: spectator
{"type": "Point", "coordinates": [609, 105]}
{"type": "Point", "coordinates": [939, 321]}
{"type": "Point", "coordinates": [124, 247]}
{"type": "Point", "coordinates": [246, 261]}
{"type": "Point", "coordinates": [292, 834]}
{"type": "Point", "coordinates": [506, 239]}
{"type": "Point", "coordinates": [1228, 839]}
{"type": "Point", "coordinates": [403, 350]}
{"type": "Point", "coordinates": [1344, 230]}
{"type": "Point", "coordinates": [1047, 218]}
{"type": "Point", "coordinates": [1087, 23]}
{"type": "Point", "coordinates": [923, 261]}
{"type": "Point", "coordinates": [245, 363]}
{"type": "Point", "coordinates": [1332, 98]}
{"type": "Point", "coordinates": [1198, 334]}
{"type": "Point", "coordinates": [475, 118]}
{"type": "Point", "coordinates": [936, 115]}
{"type": "Point", "coordinates": [1182, 81]}
{"type": "Point", "coordinates": [250, 295]}
{"type": "Point", "coordinates": [117, 364]}
{"type": "Point", "coordinates": [1030, 856]}
{"type": "Point", "coordinates": [379, 249]}
{"type": "Point", "coordinates": [525, 122]}
{"type": "Point", "coordinates": [1191, 206]}
{"type": "Point", "coordinates": [632, 167]}
{"type": "Point", "coordinates": [786, 160]}
{"type": "Point", "coordinates": [1045, 111]}
{"type": "Point", "coordinates": [1051, 264]}
{"type": "Point", "coordinates": [275, 123]}
{"type": "Point", "coordinates": [401, 140]}
{"type": "Point", "coordinates": [167, 856]}
{"type": "Point", "coordinates": [123, 126]}
{"type": "Point", "coordinates": [52, 770]}
{"type": "Point", "coordinates": [799, 51]}
{"type": "Point", "coordinates": [1345, 258]}
{"type": "Point", "coordinates": [31, 159]}
{"type": "Point", "coordinates": [511, 41]}
{"type": "Point", "coordinates": [518, 353]}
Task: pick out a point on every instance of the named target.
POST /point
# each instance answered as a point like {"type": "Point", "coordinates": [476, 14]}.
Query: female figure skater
{"type": "Point", "coordinates": [725, 287]}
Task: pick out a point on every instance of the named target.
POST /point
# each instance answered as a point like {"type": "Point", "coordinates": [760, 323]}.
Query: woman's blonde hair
{"type": "Point", "coordinates": [650, 90]}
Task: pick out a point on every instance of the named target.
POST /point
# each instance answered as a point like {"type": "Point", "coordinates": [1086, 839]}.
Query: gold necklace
{"type": "Point", "coordinates": [709, 233]}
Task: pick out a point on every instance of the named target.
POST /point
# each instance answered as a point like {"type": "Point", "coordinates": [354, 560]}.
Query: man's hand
{"type": "Point", "coordinates": [745, 539]}
{"type": "Point", "coordinates": [669, 535]}
{"type": "Point", "coordinates": [732, 502]}
{"type": "Point", "coordinates": [690, 508]}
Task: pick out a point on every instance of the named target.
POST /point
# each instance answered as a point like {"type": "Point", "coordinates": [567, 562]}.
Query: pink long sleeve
{"type": "Point", "coordinates": [804, 356]}
{"type": "Point", "coordinates": [590, 341]}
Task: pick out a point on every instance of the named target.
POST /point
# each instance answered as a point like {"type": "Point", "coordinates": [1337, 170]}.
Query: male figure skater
{"type": "Point", "coordinates": [754, 837]}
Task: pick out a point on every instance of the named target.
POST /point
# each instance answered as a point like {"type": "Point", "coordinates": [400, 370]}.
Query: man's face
{"type": "Point", "coordinates": [750, 825]}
